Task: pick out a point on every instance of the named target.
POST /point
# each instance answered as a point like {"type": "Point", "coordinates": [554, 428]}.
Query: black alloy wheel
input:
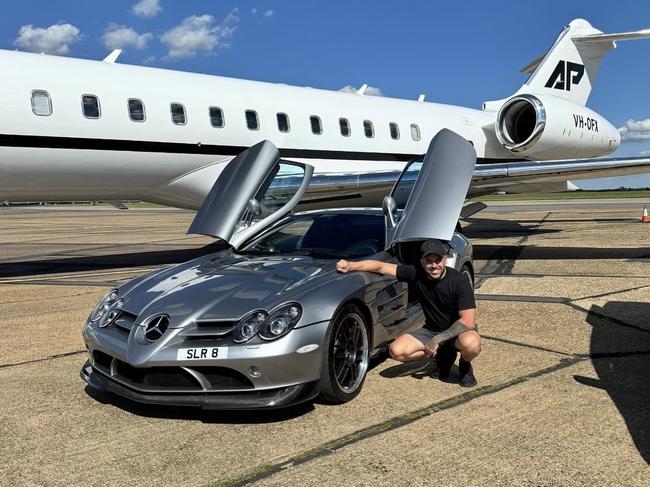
{"type": "Point", "coordinates": [344, 368]}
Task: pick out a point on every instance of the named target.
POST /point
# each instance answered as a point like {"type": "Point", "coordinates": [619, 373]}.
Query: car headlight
{"type": "Point", "coordinates": [248, 326]}
{"type": "Point", "coordinates": [105, 305]}
{"type": "Point", "coordinates": [281, 321]}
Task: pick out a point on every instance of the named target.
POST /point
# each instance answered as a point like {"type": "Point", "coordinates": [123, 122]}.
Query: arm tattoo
{"type": "Point", "coordinates": [453, 331]}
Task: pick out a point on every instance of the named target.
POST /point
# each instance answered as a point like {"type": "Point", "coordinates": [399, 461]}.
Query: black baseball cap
{"type": "Point", "coordinates": [434, 246]}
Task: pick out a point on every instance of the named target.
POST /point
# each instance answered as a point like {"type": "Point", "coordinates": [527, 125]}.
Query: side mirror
{"type": "Point", "coordinates": [389, 206]}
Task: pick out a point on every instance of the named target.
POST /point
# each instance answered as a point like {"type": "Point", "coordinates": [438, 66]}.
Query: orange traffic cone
{"type": "Point", "coordinates": [644, 216]}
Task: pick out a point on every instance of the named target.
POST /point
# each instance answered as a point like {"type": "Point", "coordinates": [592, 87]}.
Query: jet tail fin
{"type": "Point", "coordinates": [568, 69]}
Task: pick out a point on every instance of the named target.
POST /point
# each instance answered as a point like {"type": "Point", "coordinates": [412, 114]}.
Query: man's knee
{"type": "Point", "coordinates": [469, 342]}
{"type": "Point", "coordinates": [397, 351]}
{"type": "Point", "coordinates": [403, 348]}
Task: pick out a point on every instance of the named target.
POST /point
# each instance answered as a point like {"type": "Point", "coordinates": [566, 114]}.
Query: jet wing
{"type": "Point", "coordinates": [549, 176]}
{"type": "Point", "coordinates": [368, 189]}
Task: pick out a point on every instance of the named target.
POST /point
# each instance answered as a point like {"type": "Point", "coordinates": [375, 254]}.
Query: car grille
{"type": "Point", "coordinates": [170, 379]}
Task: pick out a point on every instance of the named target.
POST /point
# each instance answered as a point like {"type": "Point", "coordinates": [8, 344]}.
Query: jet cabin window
{"type": "Point", "coordinates": [344, 125]}
{"type": "Point", "coordinates": [178, 114]}
{"type": "Point", "coordinates": [136, 110]}
{"type": "Point", "coordinates": [216, 117]}
{"type": "Point", "coordinates": [316, 126]}
{"type": "Point", "coordinates": [90, 105]}
{"type": "Point", "coordinates": [368, 129]}
{"type": "Point", "coordinates": [394, 130]}
{"type": "Point", "coordinates": [283, 122]}
{"type": "Point", "coordinates": [41, 103]}
{"type": "Point", "coordinates": [415, 132]}
{"type": "Point", "coordinates": [252, 122]}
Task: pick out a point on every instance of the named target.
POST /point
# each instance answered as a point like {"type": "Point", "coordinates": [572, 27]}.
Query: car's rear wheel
{"type": "Point", "coordinates": [466, 271]}
{"type": "Point", "coordinates": [345, 364]}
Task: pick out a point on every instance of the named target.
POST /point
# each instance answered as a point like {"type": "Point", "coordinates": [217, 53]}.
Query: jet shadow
{"type": "Point", "coordinates": [620, 353]}
{"type": "Point", "coordinates": [514, 252]}
{"type": "Point", "coordinates": [476, 228]}
{"type": "Point", "coordinates": [56, 265]}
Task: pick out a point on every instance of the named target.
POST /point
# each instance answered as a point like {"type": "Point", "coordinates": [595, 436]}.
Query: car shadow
{"type": "Point", "coordinates": [57, 265]}
{"type": "Point", "coordinates": [620, 353]}
{"type": "Point", "coordinates": [258, 416]}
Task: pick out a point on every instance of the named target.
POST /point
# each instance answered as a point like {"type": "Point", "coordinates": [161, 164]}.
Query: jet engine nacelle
{"type": "Point", "coordinates": [547, 127]}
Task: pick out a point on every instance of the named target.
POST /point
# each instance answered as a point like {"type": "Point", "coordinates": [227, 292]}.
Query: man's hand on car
{"type": "Point", "coordinates": [343, 266]}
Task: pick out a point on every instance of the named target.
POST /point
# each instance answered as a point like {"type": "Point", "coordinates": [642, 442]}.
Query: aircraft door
{"type": "Point", "coordinates": [428, 197]}
{"type": "Point", "coordinates": [253, 191]}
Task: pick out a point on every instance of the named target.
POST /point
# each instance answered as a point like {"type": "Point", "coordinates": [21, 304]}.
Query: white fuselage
{"type": "Point", "coordinates": [66, 156]}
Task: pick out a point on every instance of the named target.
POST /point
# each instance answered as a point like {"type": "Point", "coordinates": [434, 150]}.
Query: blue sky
{"type": "Point", "coordinates": [460, 53]}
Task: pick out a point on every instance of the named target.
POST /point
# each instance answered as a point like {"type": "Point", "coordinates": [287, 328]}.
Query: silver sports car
{"type": "Point", "coordinates": [268, 322]}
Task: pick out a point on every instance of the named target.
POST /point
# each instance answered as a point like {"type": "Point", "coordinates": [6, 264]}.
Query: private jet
{"type": "Point", "coordinates": [74, 129]}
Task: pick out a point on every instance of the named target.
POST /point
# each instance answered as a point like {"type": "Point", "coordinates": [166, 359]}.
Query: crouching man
{"type": "Point", "coordinates": [447, 299]}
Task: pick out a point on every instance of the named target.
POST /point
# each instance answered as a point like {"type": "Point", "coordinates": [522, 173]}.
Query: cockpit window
{"type": "Point", "coordinates": [41, 103]}
{"type": "Point", "coordinates": [323, 235]}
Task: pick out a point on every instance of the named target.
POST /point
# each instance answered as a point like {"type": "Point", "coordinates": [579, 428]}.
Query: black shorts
{"type": "Point", "coordinates": [423, 335]}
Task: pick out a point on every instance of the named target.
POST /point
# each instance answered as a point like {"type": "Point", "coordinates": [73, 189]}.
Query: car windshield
{"type": "Point", "coordinates": [333, 235]}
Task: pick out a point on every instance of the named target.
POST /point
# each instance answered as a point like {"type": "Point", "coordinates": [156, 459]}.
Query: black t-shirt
{"type": "Point", "coordinates": [441, 299]}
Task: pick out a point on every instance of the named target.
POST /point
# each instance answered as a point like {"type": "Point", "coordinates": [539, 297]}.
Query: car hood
{"type": "Point", "coordinates": [224, 286]}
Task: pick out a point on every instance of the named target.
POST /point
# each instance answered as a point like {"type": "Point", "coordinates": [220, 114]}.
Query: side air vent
{"type": "Point", "coordinates": [156, 327]}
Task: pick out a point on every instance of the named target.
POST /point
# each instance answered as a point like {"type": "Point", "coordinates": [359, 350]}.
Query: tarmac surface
{"type": "Point", "coordinates": [563, 395]}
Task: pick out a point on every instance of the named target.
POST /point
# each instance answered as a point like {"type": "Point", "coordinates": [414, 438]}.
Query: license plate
{"type": "Point", "coordinates": [202, 353]}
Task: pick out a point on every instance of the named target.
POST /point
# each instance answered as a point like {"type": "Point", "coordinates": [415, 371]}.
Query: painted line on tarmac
{"type": "Point", "coordinates": [522, 298]}
{"type": "Point", "coordinates": [527, 345]}
{"type": "Point", "coordinates": [530, 275]}
{"type": "Point", "coordinates": [134, 271]}
{"type": "Point", "coordinates": [65, 282]}
{"type": "Point", "coordinates": [44, 359]}
{"type": "Point", "coordinates": [565, 301]}
{"type": "Point", "coordinates": [605, 317]}
{"type": "Point", "coordinates": [594, 296]}
{"type": "Point", "coordinates": [389, 425]}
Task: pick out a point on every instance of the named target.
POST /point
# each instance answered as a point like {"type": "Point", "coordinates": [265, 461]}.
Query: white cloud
{"type": "Point", "coordinates": [199, 34]}
{"type": "Point", "coordinates": [370, 91]}
{"type": "Point", "coordinates": [147, 8]}
{"type": "Point", "coordinates": [121, 36]}
{"type": "Point", "coordinates": [268, 14]}
{"type": "Point", "coordinates": [635, 131]}
{"type": "Point", "coordinates": [254, 11]}
{"type": "Point", "coordinates": [149, 60]}
{"type": "Point", "coordinates": [55, 39]}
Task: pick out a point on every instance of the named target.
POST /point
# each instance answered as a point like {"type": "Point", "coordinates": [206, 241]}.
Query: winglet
{"type": "Point", "coordinates": [112, 57]}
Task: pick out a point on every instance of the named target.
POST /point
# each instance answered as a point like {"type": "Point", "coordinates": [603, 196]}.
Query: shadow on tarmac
{"type": "Point", "coordinates": [620, 353]}
{"type": "Point", "coordinates": [515, 252]}
{"type": "Point", "coordinates": [198, 414]}
{"type": "Point", "coordinates": [502, 228]}
{"type": "Point", "coordinates": [56, 265]}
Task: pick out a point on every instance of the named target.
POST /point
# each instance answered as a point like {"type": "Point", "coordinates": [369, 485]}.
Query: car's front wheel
{"type": "Point", "coordinates": [345, 364]}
